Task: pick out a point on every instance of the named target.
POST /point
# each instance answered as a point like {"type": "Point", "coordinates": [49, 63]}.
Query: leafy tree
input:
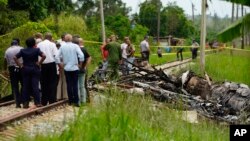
{"type": "Point", "coordinates": [37, 8]}
{"type": "Point", "coordinates": [119, 24]}
{"type": "Point", "coordinates": [85, 7]}
{"type": "Point", "coordinates": [148, 15]}
{"type": "Point", "coordinates": [10, 19]}
{"type": "Point", "coordinates": [173, 19]}
{"type": "Point", "coordinates": [237, 28]}
{"type": "Point", "coordinates": [114, 7]}
{"type": "Point", "coordinates": [3, 2]}
{"type": "Point", "coordinates": [40, 9]}
{"type": "Point", "coordinates": [174, 22]}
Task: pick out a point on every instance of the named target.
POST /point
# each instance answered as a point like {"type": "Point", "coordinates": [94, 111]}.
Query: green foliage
{"type": "Point", "coordinates": [231, 32]}
{"type": "Point", "coordinates": [3, 2]}
{"type": "Point", "coordinates": [119, 24]}
{"type": "Point", "coordinates": [22, 32]}
{"type": "Point", "coordinates": [40, 9]}
{"type": "Point", "coordinates": [148, 15]}
{"type": "Point", "coordinates": [137, 33]}
{"type": "Point", "coordinates": [37, 8]}
{"type": "Point", "coordinates": [67, 24]}
{"type": "Point", "coordinates": [172, 22]}
{"type": "Point", "coordinates": [228, 65]}
{"type": "Point", "coordinates": [114, 7]}
{"type": "Point", "coordinates": [11, 19]}
{"type": "Point", "coordinates": [235, 30]}
{"type": "Point", "coordinates": [86, 7]}
{"type": "Point", "coordinates": [244, 2]}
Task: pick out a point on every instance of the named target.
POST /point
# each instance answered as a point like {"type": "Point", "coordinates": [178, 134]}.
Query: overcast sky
{"type": "Point", "coordinates": [222, 8]}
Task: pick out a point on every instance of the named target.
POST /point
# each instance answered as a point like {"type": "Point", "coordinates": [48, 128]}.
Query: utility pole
{"type": "Point", "coordinates": [237, 11]}
{"type": "Point", "coordinates": [232, 20]}
{"type": "Point", "coordinates": [158, 21]}
{"type": "Point", "coordinates": [193, 12]}
{"type": "Point", "coordinates": [247, 34]}
{"type": "Point", "coordinates": [102, 20]}
{"type": "Point", "coordinates": [203, 36]}
{"type": "Point", "coordinates": [243, 28]}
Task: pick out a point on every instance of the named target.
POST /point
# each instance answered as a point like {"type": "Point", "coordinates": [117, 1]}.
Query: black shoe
{"type": "Point", "coordinates": [18, 106]}
{"type": "Point", "coordinates": [26, 105]}
{"type": "Point", "coordinates": [76, 105]}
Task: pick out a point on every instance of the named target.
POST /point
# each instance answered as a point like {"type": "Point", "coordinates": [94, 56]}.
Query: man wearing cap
{"type": "Point", "coordinates": [14, 70]}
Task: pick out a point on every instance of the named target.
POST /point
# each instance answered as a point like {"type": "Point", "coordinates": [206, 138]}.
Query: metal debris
{"type": "Point", "coordinates": [227, 101]}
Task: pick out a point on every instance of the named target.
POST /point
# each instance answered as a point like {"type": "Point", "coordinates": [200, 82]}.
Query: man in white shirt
{"type": "Point", "coordinates": [48, 70]}
{"type": "Point", "coordinates": [70, 53]}
{"type": "Point", "coordinates": [194, 49]}
{"type": "Point", "coordinates": [145, 51]}
{"type": "Point", "coordinates": [124, 46]}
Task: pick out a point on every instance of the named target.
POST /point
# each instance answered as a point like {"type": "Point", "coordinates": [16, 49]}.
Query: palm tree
{"type": "Point", "coordinates": [239, 27]}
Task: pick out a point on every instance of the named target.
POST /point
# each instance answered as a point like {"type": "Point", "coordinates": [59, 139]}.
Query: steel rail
{"type": "Point", "coordinates": [29, 112]}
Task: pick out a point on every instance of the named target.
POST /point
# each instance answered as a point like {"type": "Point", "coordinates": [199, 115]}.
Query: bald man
{"type": "Point", "coordinates": [70, 53]}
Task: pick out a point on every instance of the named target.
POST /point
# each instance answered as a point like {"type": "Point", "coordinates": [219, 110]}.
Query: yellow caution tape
{"type": "Point", "coordinates": [236, 49]}
{"type": "Point", "coordinates": [92, 42]}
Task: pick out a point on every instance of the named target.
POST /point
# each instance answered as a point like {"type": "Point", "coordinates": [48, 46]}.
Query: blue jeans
{"type": "Point", "coordinates": [72, 86]}
{"type": "Point", "coordinates": [82, 90]}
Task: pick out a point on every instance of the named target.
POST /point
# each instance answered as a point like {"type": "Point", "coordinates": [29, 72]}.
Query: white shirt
{"type": "Point", "coordinates": [195, 45]}
{"type": "Point", "coordinates": [144, 46]}
{"type": "Point", "coordinates": [69, 53]}
{"type": "Point", "coordinates": [123, 48]}
{"type": "Point", "coordinates": [49, 49]}
{"type": "Point", "coordinates": [10, 53]}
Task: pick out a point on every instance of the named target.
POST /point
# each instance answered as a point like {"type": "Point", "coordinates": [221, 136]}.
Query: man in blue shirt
{"type": "Point", "coordinates": [69, 53]}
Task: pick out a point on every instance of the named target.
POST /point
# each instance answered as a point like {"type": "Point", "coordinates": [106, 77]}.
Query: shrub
{"type": "Point", "coordinates": [22, 32]}
{"type": "Point", "coordinates": [67, 24]}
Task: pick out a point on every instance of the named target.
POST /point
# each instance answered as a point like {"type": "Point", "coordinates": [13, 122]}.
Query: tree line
{"type": "Point", "coordinates": [118, 17]}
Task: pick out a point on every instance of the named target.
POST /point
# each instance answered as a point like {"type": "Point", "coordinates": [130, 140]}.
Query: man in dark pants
{"type": "Point", "coordinates": [30, 71]}
{"type": "Point", "coordinates": [14, 70]}
{"type": "Point", "coordinates": [179, 51]}
{"type": "Point", "coordinates": [145, 50]}
{"type": "Point", "coordinates": [194, 49]}
{"type": "Point", "coordinates": [114, 58]}
{"type": "Point", "coordinates": [70, 53]}
{"type": "Point", "coordinates": [48, 70]}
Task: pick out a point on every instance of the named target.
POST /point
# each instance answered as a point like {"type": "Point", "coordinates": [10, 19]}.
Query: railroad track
{"type": "Point", "coordinates": [173, 64]}
{"type": "Point", "coordinates": [47, 120]}
{"type": "Point", "coordinates": [46, 123]}
{"type": "Point", "coordinates": [18, 113]}
{"type": "Point", "coordinates": [9, 102]}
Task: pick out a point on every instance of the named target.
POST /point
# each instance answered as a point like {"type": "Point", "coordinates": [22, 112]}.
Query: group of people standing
{"type": "Point", "coordinates": [115, 55]}
{"type": "Point", "coordinates": [42, 68]}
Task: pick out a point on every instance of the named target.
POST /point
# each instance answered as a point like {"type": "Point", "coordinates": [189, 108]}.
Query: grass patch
{"type": "Point", "coordinates": [132, 118]}
{"type": "Point", "coordinates": [168, 57]}
{"type": "Point", "coordinates": [227, 65]}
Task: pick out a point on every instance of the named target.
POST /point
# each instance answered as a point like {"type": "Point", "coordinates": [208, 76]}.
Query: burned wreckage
{"type": "Point", "coordinates": [227, 101]}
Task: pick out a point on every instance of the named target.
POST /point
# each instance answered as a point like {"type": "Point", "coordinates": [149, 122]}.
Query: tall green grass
{"type": "Point", "coordinates": [227, 65]}
{"type": "Point", "coordinates": [133, 118]}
